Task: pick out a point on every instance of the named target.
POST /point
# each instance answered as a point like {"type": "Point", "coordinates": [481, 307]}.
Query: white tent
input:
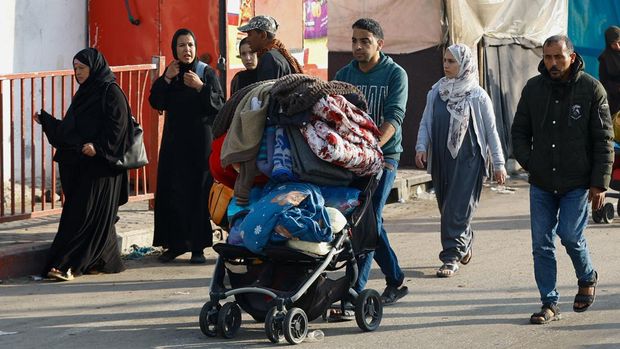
{"type": "Point", "coordinates": [507, 34]}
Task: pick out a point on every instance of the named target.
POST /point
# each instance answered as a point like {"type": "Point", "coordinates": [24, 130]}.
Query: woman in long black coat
{"type": "Point", "coordinates": [182, 221]}
{"type": "Point", "coordinates": [93, 133]}
{"type": "Point", "coordinates": [609, 68]}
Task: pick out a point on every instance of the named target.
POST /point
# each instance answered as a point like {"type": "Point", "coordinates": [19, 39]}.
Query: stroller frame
{"type": "Point", "coordinates": [286, 319]}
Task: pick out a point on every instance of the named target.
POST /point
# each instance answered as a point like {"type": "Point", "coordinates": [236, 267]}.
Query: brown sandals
{"type": "Point", "coordinates": [447, 270]}
{"type": "Point", "coordinates": [467, 257]}
{"type": "Point", "coordinates": [548, 313]}
{"type": "Point", "coordinates": [584, 298]}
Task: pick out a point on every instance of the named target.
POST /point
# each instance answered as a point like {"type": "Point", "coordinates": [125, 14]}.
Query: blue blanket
{"type": "Point", "coordinates": [286, 211]}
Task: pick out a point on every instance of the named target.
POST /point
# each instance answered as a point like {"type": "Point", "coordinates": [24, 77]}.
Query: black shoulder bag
{"type": "Point", "coordinates": [135, 154]}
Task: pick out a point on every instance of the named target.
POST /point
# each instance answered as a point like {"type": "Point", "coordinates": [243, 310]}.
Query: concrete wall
{"type": "Point", "coordinates": [41, 34]}
{"type": "Point", "coordinates": [37, 35]}
{"type": "Point", "coordinates": [7, 37]}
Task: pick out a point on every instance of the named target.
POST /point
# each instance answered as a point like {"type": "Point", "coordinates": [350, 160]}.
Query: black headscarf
{"type": "Point", "coordinates": [100, 73]}
{"type": "Point", "coordinates": [184, 67]}
{"type": "Point", "coordinates": [609, 56]}
{"type": "Point", "coordinates": [90, 93]}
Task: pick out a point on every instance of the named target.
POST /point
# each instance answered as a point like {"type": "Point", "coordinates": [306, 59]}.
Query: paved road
{"type": "Point", "coordinates": [486, 305]}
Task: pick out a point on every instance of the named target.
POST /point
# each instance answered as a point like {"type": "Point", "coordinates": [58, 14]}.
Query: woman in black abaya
{"type": "Point", "coordinates": [182, 221]}
{"type": "Point", "coordinates": [93, 132]}
{"type": "Point", "coordinates": [609, 68]}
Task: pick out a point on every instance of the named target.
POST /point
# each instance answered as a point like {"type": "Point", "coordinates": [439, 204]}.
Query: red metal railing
{"type": "Point", "coordinates": [29, 183]}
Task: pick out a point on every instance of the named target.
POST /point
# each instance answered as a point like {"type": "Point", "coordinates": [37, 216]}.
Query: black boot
{"type": "Point", "coordinates": [198, 258]}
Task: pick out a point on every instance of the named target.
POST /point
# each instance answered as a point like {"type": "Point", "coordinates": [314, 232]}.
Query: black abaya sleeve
{"type": "Point", "coordinates": [111, 142]}
{"type": "Point", "coordinates": [234, 84]}
{"type": "Point", "coordinates": [51, 128]}
{"type": "Point", "coordinates": [159, 94]}
{"type": "Point", "coordinates": [211, 95]}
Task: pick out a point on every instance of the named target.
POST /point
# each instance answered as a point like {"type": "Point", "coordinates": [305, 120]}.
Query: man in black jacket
{"type": "Point", "coordinates": [274, 60]}
{"type": "Point", "coordinates": [562, 136]}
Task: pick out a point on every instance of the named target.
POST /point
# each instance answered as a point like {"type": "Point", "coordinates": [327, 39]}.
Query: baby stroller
{"type": "Point", "coordinates": [286, 288]}
{"type": "Point", "coordinates": [606, 213]}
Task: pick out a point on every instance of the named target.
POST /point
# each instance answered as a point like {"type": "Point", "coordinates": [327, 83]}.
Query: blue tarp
{"type": "Point", "coordinates": [587, 21]}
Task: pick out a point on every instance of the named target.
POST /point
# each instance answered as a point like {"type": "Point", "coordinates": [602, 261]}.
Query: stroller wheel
{"type": "Point", "coordinates": [597, 216]}
{"type": "Point", "coordinates": [608, 212]}
{"type": "Point", "coordinates": [208, 318]}
{"type": "Point", "coordinates": [229, 320]}
{"type": "Point", "coordinates": [273, 325]}
{"type": "Point", "coordinates": [368, 310]}
{"type": "Point", "coordinates": [295, 326]}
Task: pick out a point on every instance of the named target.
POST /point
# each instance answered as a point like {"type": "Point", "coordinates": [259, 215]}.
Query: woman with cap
{"type": "Point", "coordinates": [457, 127]}
{"type": "Point", "coordinates": [182, 221]}
{"type": "Point", "coordinates": [274, 60]}
{"type": "Point", "coordinates": [609, 68]}
{"type": "Point", "coordinates": [92, 134]}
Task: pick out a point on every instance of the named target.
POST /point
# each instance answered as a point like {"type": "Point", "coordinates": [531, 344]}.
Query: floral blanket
{"type": "Point", "coordinates": [342, 134]}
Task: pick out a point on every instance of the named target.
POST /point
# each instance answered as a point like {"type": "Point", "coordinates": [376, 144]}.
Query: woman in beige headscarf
{"type": "Point", "coordinates": [457, 127]}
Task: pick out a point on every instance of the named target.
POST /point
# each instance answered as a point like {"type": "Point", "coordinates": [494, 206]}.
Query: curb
{"type": "Point", "coordinates": [140, 237]}
{"type": "Point", "coordinates": [20, 260]}
{"type": "Point", "coordinates": [23, 259]}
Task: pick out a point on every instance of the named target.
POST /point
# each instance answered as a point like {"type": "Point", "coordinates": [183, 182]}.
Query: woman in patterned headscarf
{"type": "Point", "coordinates": [455, 132]}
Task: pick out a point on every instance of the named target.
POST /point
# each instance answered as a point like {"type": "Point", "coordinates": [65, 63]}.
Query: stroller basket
{"type": "Point", "coordinates": [282, 271]}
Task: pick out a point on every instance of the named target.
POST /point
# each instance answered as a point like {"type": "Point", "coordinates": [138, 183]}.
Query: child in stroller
{"type": "Point", "coordinates": [286, 287]}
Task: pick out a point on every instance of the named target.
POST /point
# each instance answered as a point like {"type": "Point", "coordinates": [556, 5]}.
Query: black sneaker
{"type": "Point", "coordinates": [391, 294]}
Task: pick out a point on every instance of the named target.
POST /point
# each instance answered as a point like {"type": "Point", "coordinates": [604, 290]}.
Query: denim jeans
{"type": "Point", "coordinates": [567, 216]}
{"type": "Point", "coordinates": [384, 254]}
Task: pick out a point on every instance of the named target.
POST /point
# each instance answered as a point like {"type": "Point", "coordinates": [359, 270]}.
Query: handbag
{"type": "Point", "coordinates": [135, 155]}
{"type": "Point", "coordinates": [219, 198]}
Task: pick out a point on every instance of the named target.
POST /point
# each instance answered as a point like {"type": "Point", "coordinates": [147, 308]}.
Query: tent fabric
{"type": "Point", "coordinates": [511, 34]}
{"type": "Point", "coordinates": [508, 64]}
{"type": "Point", "coordinates": [535, 20]}
{"type": "Point", "coordinates": [423, 69]}
{"type": "Point", "coordinates": [408, 25]}
{"type": "Point", "coordinates": [587, 21]}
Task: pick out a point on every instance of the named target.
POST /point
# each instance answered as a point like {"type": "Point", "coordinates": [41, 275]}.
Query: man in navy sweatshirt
{"type": "Point", "coordinates": [385, 85]}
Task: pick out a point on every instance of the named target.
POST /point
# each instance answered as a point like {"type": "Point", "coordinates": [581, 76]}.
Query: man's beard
{"type": "Point", "coordinates": [555, 69]}
{"type": "Point", "coordinates": [362, 58]}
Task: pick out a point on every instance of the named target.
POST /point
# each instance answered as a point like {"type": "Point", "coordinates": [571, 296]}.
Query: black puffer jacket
{"type": "Point", "coordinates": [562, 131]}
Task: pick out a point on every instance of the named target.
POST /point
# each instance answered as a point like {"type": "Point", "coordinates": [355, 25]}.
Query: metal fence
{"type": "Point", "coordinates": [30, 182]}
